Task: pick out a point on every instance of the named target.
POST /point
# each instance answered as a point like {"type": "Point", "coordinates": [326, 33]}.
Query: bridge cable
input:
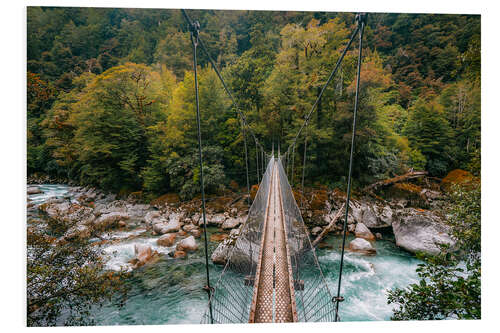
{"type": "Point", "coordinates": [257, 161]}
{"type": "Point", "coordinates": [246, 160]}
{"type": "Point", "coordinates": [194, 40]}
{"type": "Point", "coordinates": [361, 20]}
{"type": "Point", "coordinates": [212, 63]}
{"type": "Point", "coordinates": [332, 74]}
{"type": "Point", "coordinates": [304, 167]}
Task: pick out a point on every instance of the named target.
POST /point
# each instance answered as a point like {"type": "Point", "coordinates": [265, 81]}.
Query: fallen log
{"type": "Point", "coordinates": [330, 225]}
{"type": "Point", "coordinates": [397, 179]}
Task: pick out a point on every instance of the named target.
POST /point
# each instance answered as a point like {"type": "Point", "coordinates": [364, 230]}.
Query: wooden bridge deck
{"type": "Point", "coordinates": [274, 296]}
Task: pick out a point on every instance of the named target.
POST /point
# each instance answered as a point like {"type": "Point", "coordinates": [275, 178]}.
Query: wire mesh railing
{"type": "Point", "coordinates": [312, 296]}
{"type": "Point", "coordinates": [232, 295]}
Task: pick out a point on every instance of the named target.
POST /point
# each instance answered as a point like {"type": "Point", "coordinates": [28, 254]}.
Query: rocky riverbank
{"type": "Point", "coordinates": [86, 213]}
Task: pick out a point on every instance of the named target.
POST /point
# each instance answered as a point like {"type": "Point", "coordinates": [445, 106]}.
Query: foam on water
{"type": "Point", "coordinates": [170, 290]}
{"type": "Point", "coordinates": [366, 279]}
{"type": "Point", "coordinates": [48, 191]}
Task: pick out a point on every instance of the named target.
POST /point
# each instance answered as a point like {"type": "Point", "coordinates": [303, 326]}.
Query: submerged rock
{"type": "Point", "coordinates": [421, 231]}
{"type": "Point", "coordinates": [362, 245]}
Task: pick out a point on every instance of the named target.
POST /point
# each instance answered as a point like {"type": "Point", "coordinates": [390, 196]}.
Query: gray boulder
{"type": "Point", "coordinates": [420, 231]}
{"type": "Point", "coordinates": [362, 231]}
{"type": "Point", "coordinates": [187, 244]}
{"type": "Point", "coordinates": [109, 220]}
{"type": "Point", "coordinates": [165, 228]}
{"type": "Point", "coordinates": [232, 222]}
{"type": "Point", "coordinates": [362, 245]}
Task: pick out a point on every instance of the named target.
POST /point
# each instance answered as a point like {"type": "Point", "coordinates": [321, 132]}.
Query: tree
{"type": "Point", "coordinates": [65, 281]}
{"type": "Point", "coordinates": [428, 131]}
{"type": "Point", "coordinates": [450, 283]}
{"type": "Point", "coordinates": [111, 118]}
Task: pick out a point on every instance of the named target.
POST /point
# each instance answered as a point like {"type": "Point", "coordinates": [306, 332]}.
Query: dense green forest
{"type": "Point", "coordinates": [111, 95]}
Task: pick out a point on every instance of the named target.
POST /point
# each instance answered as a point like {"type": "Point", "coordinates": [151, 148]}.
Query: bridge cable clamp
{"type": "Point", "coordinates": [208, 289]}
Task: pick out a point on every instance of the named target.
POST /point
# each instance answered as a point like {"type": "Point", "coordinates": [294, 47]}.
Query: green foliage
{"type": "Point", "coordinates": [419, 104]}
{"type": "Point", "coordinates": [66, 279]}
{"type": "Point", "coordinates": [428, 131]}
{"type": "Point", "coordinates": [450, 284]}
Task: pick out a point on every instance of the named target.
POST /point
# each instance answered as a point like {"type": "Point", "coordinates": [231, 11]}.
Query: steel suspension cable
{"type": "Point", "coordinates": [332, 74]}
{"type": "Point", "coordinates": [246, 160]}
{"type": "Point", "coordinates": [257, 161]}
{"type": "Point", "coordinates": [194, 41]}
{"type": "Point", "coordinates": [361, 19]}
{"type": "Point", "coordinates": [215, 68]}
{"type": "Point", "coordinates": [304, 163]}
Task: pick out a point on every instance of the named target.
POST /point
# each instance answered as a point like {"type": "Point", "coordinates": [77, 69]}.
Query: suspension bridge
{"type": "Point", "coordinates": [272, 273]}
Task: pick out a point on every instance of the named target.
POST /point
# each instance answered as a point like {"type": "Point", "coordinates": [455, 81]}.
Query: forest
{"type": "Point", "coordinates": [110, 96]}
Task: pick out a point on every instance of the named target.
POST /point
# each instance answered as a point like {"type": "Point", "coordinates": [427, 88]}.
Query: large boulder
{"type": "Point", "coordinates": [187, 244]}
{"type": "Point", "coordinates": [362, 246]}
{"type": "Point", "coordinates": [232, 222]}
{"type": "Point", "coordinates": [417, 230]}
{"type": "Point", "coordinates": [109, 220]}
{"type": "Point", "coordinates": [165, 228]}
{"type": "Point", "coordinates": [362, 231]}
{"type": "Point", "coordinates": [167, 240]}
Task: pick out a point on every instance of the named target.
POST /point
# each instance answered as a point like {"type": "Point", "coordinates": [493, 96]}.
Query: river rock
{"type": "Point", "coordinates": [214, 220]}
{"type": "Point", "coordinates": [196, 233]}
{"type": "Point", "coordinates": [362, 245]}
{"type": "Point", "coordinates": [232, 222]}
{"type": "Point", "coordinates": [152, 217]}
{"type": "Point", "coordinates": [362, 231]}
{"type": "Point", "coordinates": [316, 231]}
{"type": "Point", "coordinates": [369, 218]}
{"type": "Point", "coordinates": [421, 231]}
{"type": "Point", "coordinates": [167, 240]}
{"type": "Point", "coordinates": [79, 231]}
{"type": "Point", "coordinates": [109, 220]}
{"type": "Point", "coordinates": [143, 253]}
{"type": "Point", "coordinates": [34, 190]}
{"type": "Point", "coordinates": [385, 217]}
{"type": "Point", "coordinates": [187, 244]}
{"type": "Point", "coordinates": [189, 227]}
{"type": "Point", "coordinates": [179, 254]}
{"type": "Point", "coordinates": [165, 228]}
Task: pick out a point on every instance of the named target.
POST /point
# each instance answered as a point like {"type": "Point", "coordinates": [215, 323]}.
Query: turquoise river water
{"type": "Point", "coordinates": [169, 290]}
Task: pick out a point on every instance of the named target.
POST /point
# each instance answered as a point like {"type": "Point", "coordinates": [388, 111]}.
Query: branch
{"type": "Point", "coordinates": [330, 226]}
{"type": "Point", "coordinates": [397, 179]}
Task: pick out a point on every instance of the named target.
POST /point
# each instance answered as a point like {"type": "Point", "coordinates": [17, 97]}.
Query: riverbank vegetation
{"type": "Point", "coordinates": [111, 103]}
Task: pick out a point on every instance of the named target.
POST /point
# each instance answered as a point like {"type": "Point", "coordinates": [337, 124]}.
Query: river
{"type": "Point", "coordinates": [169, 290]}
